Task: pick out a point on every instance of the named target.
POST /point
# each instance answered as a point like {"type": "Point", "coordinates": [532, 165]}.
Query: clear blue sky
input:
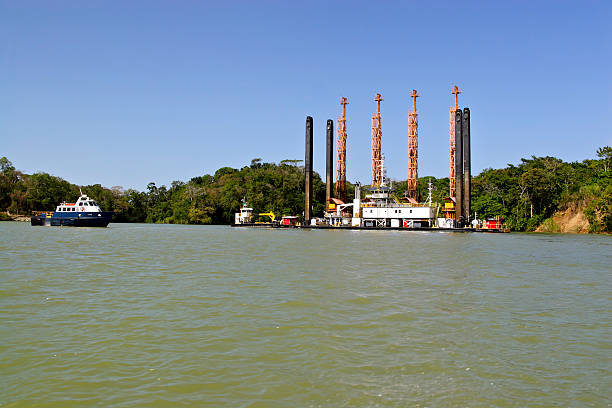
{"type": "Point", "coordinates": [124, 93]}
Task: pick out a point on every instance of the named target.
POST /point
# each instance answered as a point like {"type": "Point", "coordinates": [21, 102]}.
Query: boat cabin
{"type": "Point", "coordinates": [289, 220]}
{"type": "Point", "coordinates": [245, 216]}
{"type": "Point", "coordinates": [333, 204]}
{"type": "Point", "coordinates": [449, 208]}
{"type": "Point", "coordinates": [83, 204]}
{"type": "Point", "coordinates": [493, 223]}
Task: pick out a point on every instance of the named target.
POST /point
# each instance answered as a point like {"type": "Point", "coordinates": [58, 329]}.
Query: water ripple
{"type": "Point", "coordinates": [159, 315]}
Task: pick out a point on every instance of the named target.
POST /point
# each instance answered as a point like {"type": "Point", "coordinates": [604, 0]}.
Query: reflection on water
{"type": "Point", "coordinates": [159, 315]}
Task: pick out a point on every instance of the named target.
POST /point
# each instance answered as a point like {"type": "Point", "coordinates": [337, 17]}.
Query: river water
{"type": "Point", "coordinates": [164, 315]}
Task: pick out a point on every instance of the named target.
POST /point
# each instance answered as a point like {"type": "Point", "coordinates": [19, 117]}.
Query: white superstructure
{"type": "Point", "coordinates": [245, 216]}
{"type": "Point", "coordinates": [83, 204]}
{"type": "Point", "coordinates": [382, 209]}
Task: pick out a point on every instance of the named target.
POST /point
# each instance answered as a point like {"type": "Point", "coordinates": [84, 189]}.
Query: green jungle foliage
{"type": "Point", "coordinates": [525, 195]}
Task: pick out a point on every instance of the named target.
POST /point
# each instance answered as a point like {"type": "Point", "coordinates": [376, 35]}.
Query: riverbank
{"type": "Point", "coordinates": [527, 195]}
{"type": "Point", "coordinates": [565, 222]}
{"type": "Point", "coordinates": [571, 220]}
{"type": "Point", "coordinates": [9, 217]}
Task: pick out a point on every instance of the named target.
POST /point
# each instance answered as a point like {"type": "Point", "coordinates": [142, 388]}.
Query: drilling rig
{"type": "Point", "coordinates": [453, 192]}
{"type": "Point", "coordinates": [341, 153]}
{"type": "Point", "coordinates": [376, 149]}
{"type": "Point", "coordinates": [413, 151]}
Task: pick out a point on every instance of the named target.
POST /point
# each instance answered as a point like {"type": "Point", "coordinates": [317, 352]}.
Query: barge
{"type": "Point", "coordinates": [380, 210]}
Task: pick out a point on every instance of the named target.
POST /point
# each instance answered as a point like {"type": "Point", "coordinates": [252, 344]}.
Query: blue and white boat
{"type": "Point", "coordinates": [84, 213]}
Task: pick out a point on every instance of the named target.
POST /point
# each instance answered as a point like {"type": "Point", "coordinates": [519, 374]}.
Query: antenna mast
{"type": "Point", "coordinates": [376, 142]}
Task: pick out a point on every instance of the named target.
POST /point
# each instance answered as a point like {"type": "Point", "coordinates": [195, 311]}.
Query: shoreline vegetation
{"type": "Point", "coordinates": [542, 194]}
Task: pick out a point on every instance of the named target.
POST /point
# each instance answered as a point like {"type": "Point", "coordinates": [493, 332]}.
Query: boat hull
{"type": "Point", "coordinates": [81, 219]}
{"type": "Point", "coordinates": [348, 227]}
{"type": "Point", "coordinates": [38, 220]}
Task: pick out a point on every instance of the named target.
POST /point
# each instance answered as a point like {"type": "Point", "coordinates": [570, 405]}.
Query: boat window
{"type": "Point", "coordinates": [85, 203]}
{"type": "Point", "coordinates": [72, 209]}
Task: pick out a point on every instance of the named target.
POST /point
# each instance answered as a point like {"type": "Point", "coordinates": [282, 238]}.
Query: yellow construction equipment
{"type": "Point", "coordinates": [269, 214]}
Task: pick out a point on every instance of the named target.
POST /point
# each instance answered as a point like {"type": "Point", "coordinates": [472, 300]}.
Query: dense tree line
{"type": "Point", "coordinates": [525, 195]}
{"type": "Point", "coordinates": [208, 199]}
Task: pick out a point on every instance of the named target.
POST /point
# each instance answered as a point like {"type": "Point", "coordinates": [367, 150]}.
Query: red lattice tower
{"type": "Point", "coordinates": [341, 153]}
{"type": "Point", "coordinates": [413, 150]}
{"type": "Point", "coordinates": [456, 91]}
{"type": "Point", "coordinates": [376, 141]}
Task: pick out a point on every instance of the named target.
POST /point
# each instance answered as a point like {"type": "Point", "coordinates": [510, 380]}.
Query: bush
{"type": "Point", "coordinates": [599, 212]}
{"type": "Point", "coordinates": [534, 222]}
{"type": "Point", "coordinates": [549, 225]}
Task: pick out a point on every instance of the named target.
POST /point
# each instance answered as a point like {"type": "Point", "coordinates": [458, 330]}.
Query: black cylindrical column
{"type": "Point", "coordinates": [467, 165]}
{"type": "Point", "coordinates": [458, 168]}
{"type": "Point", "coordinates": [329, 168]}
{"type": "Point", "coordinates": [308, 172]}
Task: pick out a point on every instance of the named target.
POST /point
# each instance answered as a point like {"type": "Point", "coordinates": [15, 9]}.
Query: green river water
{"type": "Point", "coordinates": [163, 316]}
